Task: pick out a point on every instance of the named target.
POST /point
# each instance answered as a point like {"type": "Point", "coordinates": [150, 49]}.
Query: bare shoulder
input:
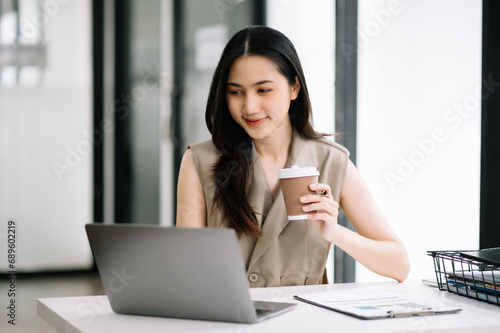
{"type": "Point", "coordinates": [361, 208]}
{"type": "Point", "coordinates": [190, 197]}
{"type": "Point", "coordinates": [355, 187]}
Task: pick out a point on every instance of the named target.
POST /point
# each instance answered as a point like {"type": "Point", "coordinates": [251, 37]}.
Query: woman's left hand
{"type": "Point", "coordinates": [322, 209]}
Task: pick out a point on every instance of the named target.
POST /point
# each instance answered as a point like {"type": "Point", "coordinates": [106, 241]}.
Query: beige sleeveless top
{"type": "Point", "coordinates": [289, 252]}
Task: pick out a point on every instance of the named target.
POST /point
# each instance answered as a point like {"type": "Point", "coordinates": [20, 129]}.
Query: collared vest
{"type": "Point", "coordinates": [289, 252]}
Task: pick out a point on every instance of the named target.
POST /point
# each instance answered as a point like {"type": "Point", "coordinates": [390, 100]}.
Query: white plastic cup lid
{"type": "Point", "coordinates": [296, 171]}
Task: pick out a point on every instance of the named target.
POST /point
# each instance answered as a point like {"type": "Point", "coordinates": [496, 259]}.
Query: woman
{"type": "Point", "coordinates": [259, 114]}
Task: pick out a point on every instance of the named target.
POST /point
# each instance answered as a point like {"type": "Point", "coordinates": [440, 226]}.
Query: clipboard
{"type": "Point", "coordinates": [377, 304]}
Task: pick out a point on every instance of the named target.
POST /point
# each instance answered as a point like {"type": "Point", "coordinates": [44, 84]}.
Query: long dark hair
{"type": "Point", "coordinates": [231, 173]}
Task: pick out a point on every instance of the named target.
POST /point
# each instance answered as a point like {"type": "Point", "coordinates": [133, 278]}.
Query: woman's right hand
{"type": "Point", "coordinates": [322, 210]}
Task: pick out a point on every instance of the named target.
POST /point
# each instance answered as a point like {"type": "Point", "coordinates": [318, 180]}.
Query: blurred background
{"type": "Point", "coordinates": [99, 99]}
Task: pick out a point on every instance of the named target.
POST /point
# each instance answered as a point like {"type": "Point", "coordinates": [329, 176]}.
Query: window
{"type": "Point", "coordinates": [419, 112]}
{"type": "Point", "coordinates": [45, 131]}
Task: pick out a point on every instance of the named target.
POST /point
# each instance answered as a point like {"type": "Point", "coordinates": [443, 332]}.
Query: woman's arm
{"type": "Point", "coordinates": [191, 208]}
{"type": "Point", "coordinates": [374, 244]}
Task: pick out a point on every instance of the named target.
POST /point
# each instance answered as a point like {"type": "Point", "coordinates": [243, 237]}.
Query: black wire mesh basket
{"type": "Point", "coordinates": [467, 277]}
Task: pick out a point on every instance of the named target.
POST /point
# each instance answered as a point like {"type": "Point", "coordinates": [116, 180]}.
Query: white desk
{"type": "Point", "coordinates": [93, 314]}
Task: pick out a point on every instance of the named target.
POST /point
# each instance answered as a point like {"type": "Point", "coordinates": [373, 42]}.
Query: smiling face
{"type": "Point", "coordinates": [258, 97]}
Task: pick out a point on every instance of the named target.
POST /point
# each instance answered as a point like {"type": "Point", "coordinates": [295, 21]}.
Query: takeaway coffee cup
{"type": "Point", "coordinates": [295, 183]}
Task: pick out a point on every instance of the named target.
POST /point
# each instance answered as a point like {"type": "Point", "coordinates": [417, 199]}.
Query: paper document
{"type": "Point", "coordinates": [371, 304]}
{"type": "Point", "coordinates": [484, 285]}
{"type": "Point", "coordinates": [490, 278]}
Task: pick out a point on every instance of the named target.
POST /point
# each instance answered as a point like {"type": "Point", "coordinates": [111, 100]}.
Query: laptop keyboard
{"type": "Point", "coordinates": [262, 312]}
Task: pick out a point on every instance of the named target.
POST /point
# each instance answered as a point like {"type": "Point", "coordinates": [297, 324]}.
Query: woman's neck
{"type": "Point", "coordinates": [276, 149]}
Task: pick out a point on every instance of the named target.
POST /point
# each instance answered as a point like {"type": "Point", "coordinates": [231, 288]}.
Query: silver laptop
{"type": "Point", "coordinates": [176, 272]}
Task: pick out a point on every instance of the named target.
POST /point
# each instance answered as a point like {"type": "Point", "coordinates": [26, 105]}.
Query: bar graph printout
{"type": "Point", "coordinates": [374, 304]}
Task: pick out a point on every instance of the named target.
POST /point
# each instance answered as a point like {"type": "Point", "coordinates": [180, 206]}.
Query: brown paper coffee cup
{"type": "Point", "coordinates": [295, 183]}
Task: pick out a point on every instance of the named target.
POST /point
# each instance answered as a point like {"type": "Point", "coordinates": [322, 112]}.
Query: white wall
{"type": "Point", "coordinates": [43, 127]}
{"type": "Point", "coordinates": [419, 121]}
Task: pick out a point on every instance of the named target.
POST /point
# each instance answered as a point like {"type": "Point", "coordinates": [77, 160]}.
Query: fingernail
{"type": "Point", "coordinates": [312, 186]}
{"type": "Point", "coordinates": [303, 198]}
{"type": "Point", "coordinates": [305, 208]}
